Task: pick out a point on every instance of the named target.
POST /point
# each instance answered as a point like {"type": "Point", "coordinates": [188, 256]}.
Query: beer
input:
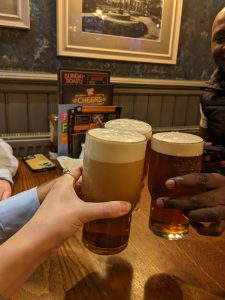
{"type": "Point", "coordinates": [172, 154]}
{"type": "Point", "coordinates": [113, 168]}
{"type": "Point", "coordinates": [134, 125]}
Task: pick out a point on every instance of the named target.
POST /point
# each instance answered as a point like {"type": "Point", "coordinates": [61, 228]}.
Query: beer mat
{"type": "Point", "coordinates": [68, 162]}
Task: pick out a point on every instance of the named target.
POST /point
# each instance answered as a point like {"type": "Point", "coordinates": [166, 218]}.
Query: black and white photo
{"type": "Point", "coordinates": [127, 30]}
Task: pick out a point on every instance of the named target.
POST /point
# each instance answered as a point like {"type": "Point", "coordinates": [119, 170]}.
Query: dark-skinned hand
{"type": "Point", "coordinates": [206, 210]}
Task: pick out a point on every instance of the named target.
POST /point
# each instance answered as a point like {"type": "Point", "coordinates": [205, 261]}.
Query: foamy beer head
{"type": "Point", "coordinates": [131, 124]}
{"type": "Point", "coordinates": [177, 144]}
{"type": "Point", "coordinates": [114, 146]}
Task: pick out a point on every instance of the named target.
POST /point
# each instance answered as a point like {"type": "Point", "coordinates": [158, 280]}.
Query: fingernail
{"type": "Point", "coordinates": [170, 183]}
{"type": "Point", "coordinates": [125, 207]}
{"type": "Point", "coordinates": [174, 182]}
{"type": "Point", "coordinates": [160, 202]}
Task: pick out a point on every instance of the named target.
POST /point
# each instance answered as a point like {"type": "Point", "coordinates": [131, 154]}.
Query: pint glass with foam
{"type": "Point", "coordinates": [113, 170]}
{"type": "Point", "coordinates": [134, 125]}
{"type": "Point", "coordinates": [172, 154]}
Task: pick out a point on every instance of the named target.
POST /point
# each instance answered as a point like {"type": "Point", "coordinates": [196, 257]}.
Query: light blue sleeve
{"type": "Point", "coordinates": [16, 211]}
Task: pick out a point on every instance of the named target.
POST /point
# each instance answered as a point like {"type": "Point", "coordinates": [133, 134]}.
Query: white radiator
{"type": "Point", "coordinates": [28, 143]}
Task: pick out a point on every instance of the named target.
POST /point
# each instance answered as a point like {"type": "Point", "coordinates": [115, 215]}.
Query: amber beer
{"type": "Point", "coordinates": [172, 154]}
{"type": "Point", "coordinates": [113, 169]}
{"type": "Point", "coordinates": [134, 125]}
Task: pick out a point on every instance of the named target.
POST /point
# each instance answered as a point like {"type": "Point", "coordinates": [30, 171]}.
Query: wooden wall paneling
{"type": "Point", "coordinates": [168, 103]}
{"type": "Point", "coordinates": [17, 114]}
{"type": "Point", "coordinates": [38, 112]}
{"type": "Point", "coordinates": [127, 103]}
{"type": "Point", "coordinates": [141, 107]}
{"type": "Point", "coordinates": [3, 120]}
{"type": "Point", "coordinates": [180, 109]}
{"type": "Point", "coordinates": [154, 110]}
{"type": "Point", "coordinates": [116, 99]}
{"type": "Point", "coordinates": [28, 104]}
{"type": "Point", "coordinates": [53, 103]}
{"type": "Point", "coordinates": [193, 113]}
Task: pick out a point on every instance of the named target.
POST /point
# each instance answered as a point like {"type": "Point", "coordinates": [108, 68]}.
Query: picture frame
{"type": "Point", "coordinates": [77, 36]}
{"type": "Point", "coordinates": [15, 13]}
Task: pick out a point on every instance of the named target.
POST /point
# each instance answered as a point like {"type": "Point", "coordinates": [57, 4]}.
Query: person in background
{"type": "Point", "coordinates": [8, 168]}
{"type": "Point", "coordinates": [206, 210]}
{"type": "Point", "coordinates": [212, 107]}
{"type": "Point", "coordinates": [46, 227]}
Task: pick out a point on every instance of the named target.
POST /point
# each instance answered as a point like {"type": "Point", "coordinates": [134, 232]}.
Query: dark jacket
{"type": "Point", "coordinates": [213, 107]}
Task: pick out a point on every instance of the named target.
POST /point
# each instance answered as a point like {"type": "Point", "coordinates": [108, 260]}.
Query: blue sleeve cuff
{"type": "Point", "coordinates": [16, 211]}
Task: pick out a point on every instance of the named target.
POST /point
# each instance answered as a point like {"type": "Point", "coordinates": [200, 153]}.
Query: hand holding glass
{"type": "Point", "coordinates": [172, 154]}
{"type": "Point", "coordinates": [113, 170]}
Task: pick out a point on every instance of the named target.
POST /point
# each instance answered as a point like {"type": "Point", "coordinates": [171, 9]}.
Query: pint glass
{"type": "Point", "coordinates": [172, 154]}
{"type": "Point", "coordinates": [134, 125]}
{"type": "Point", "coordinates": [113, 170]}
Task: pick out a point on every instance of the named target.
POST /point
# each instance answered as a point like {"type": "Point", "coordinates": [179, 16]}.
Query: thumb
{"type": "Point", "coordinates": [207, 144]}
{"type": "Point", "coordinates": [6, 195]}
{"type": "Point", "coordinates": [104, 210]}
{"type": "Point", "coordinates": [76, 171]}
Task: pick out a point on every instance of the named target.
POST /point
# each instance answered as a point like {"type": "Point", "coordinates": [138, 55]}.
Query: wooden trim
{"type": "Point", "coordinates": [27, 76]}
{"type": "Point", "coordinates": [162, 90]}
{"type": "Point", "coordinates": [9, 76]}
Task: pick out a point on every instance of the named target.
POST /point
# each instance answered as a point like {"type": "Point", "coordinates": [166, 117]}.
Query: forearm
{"type": "Point", "coordinates": [44, 189]}
{"type": "Point", "coordinates": [23, 253]}
{"type": "Point", "coordinates": [17, 211]}
{"type": "Point", "coordinates": [26, 249]}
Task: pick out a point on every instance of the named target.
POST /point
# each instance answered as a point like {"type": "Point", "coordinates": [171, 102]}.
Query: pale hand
{"type": "Point", "coordinates": [5, 189]}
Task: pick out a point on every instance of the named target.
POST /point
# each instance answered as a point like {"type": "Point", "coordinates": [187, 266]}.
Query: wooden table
{"type": "Point", "coordinates": [150, 268]}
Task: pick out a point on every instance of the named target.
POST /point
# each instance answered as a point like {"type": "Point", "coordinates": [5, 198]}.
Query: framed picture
{"type": "Point", "coordinates": [128, 30]}
{"type": "Point", "coordinates": [15, 13]}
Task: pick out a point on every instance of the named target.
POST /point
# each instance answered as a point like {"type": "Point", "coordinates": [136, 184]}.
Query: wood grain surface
{"type": "Point", "coordinates": [150, 268]}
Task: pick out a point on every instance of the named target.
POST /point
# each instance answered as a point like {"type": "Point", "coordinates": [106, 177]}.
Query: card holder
{"type": "Point", "coordinates": [38, 163]}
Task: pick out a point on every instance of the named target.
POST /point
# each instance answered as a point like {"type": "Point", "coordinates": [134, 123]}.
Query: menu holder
{"type": "Point", "coordinates": [79, 87]}
{"type": "Point", "coordinates": [80, 81]}
{"type": "Point", "coordinates": [85, 118]}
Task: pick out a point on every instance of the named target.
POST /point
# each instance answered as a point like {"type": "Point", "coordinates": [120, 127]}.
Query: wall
{"type": "Point", "coordinates": [24, 107]}
{"type": "Point", "coordinates": [26, 104]}
{"type": "Point", "coordinates": [168, 98]}
{"type": "Point", "coordinates": [34, 50]}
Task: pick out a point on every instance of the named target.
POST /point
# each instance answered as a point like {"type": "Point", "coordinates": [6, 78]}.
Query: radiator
{"type": "Point", "coordinates": [28, 143]}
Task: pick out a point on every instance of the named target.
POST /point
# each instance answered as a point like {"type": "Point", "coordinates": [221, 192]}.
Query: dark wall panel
{"type": "Point", "coordinates": [192, 113]}
{"type": "Point", "coordinates": [3, 121]}
{"type": "Point", "coordinates": [27, 110]}
{"type": "Point", "coordinates": [35, 49]}
{"type": "Point", "coordinates": [180, 108]}
{"type": "Point", "coordinates": [53, 103]}
{"type": "Point", "coordinates": [38, 112]}
{"type": "Point", "coordinates": [127, 103]}
{"type": "Point", "coordinates": [141, 107]}
{"type": "Point", "coordinates": [167, 111]}
{"type": "Point", "coordinates": [154, 110]}
{"type": "Point", "coordinates": [17, 113]}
